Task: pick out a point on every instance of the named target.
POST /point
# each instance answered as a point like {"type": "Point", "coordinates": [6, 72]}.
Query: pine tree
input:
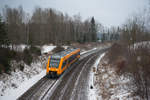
{"type": "Point", "coordinates": [5, 55]}
{"type": "Point", "coordinates": [93, 30]}
{"type": "Point", "coordinates": [3, 34]}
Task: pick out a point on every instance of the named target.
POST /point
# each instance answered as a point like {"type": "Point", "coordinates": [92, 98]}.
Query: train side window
{"type": "Point", "coordinates": [73, 57]}
{"type": "Point", "coordinates": [69, 60]}
{"type": "Point", "coordinates": [78, 53]}
{"type": "Point", "coordinates": [64, 63]}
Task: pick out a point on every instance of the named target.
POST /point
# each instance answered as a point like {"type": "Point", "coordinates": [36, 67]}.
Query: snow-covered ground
{"type": "Point", "coordinates": [143, 43]}
{"type": "Point", "coordinates": [107, 84]}
{"type": "Point", "coordinates": [12, 86]}
{"type": "Point", "coordinates": [83, 52]}
{"type": "Point", "coordinates": [47, 48]}
{"type": "Point", "coordinates": [100, 47]}
{"type": "Point", "coordinates": [44, 48]}
{"type": "Point", "coordinates": [12, 93]}
{"type": "Point", "coordinates": [19, 47]}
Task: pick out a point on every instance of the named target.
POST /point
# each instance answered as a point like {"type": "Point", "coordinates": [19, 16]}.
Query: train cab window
{"type": "Point", "coordinates": [54, 62]}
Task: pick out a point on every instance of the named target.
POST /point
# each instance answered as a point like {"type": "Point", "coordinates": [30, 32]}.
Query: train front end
{"type": "Point", "coordinates": [52, 69]}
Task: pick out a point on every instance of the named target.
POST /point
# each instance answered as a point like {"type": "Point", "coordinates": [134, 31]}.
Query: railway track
{"type": "Point", "coordinates": [53, 89]}
{"type": "Point", "coordinates": [38, 90]}
{"type": "Point", "coordinates": [67, 90]}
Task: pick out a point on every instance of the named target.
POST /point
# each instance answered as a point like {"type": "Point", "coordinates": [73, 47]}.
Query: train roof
{"type": "Point", "coordinates": [62, 53]}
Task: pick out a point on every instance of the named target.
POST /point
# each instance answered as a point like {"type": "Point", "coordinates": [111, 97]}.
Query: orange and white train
{"type": "Point", "coordinates": [59, 62]}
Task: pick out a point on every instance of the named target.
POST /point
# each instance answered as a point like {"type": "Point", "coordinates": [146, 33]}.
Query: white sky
{"type": "Point", "coordinates": [107, 12]}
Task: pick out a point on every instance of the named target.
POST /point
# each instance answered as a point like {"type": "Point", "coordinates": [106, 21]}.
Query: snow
{"type": "Point", "coordinates": [65, 47]}
{"type": "Point", "coordinates": [87, 51]}
{"type": "Point", "coordinates": [92, 92]}
{"type": "Point", "coordinates": [13, 94]}
{"type": "Point", "coordinates": [44, 48]}
{"type": "Point", "coordinates": [140, 44]}
{"type": "Point", "coordinates": [19, 47]}
{"type": "Point", "coordinates": [47, 48]}
{"type": "Point", "coordinates": [98, 61]}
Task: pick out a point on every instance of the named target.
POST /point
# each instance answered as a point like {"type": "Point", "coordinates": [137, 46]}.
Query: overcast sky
{"type": "Point", "coordinates": [107, 12]}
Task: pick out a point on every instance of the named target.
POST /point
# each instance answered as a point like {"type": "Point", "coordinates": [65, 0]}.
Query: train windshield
{"type": "Point", "coordinates": [54, 62]}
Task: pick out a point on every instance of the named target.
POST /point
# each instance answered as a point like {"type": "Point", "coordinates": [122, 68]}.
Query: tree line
{"type": "Point", "coordinates": [46, 26]}
{"type": "Point", "coordinates": [111, 34]}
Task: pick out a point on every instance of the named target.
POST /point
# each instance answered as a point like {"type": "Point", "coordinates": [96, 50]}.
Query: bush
{"type": "Point", "coordinates": [27, 57]}
{"type": "Point", "coordinates": [58, 49]}
{"type": "Point", "coordinates": [5, 56]}
{"type": "Point", "coordinates": [35, 50]}
{"type": "Point", "coordinates": [116, 51]}
{"type": "Point", "coordinates": [2, 69]}
{"type": "Point", "coordinates": [21, 67]}
{"type": "Point", "coordinates": [139, 67]}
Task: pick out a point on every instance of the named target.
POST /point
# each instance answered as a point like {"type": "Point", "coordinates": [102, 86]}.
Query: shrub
{"type": "Point", "coordinates": [27, 57]}
{"type": "Point", "coordinates": [139, 67]}
{"type": "Point", "coordinates": [117, 50]}
{"type": "Point", "coordinates": [2, 69]}
{"type": "Point", "coordinates": [5, 57]}
{"type": "Point", "coordinates": [35, 50]}
{"type": "Point", "coordinates": [21, 67]}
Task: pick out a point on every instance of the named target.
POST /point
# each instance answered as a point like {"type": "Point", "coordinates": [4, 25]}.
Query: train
{"type": "Point", "coordinates": [59, 62]}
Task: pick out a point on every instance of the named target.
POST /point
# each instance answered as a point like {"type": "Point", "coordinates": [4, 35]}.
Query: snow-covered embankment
{"type": "Point", "coordinates": [14, 85]}
{"type": "Point", "coordinates": [92, 89]}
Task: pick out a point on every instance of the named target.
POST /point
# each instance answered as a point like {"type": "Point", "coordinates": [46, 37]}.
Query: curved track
{"type": "Point", "coordinates": [72, 84]}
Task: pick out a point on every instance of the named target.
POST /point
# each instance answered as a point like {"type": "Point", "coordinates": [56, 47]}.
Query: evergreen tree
{"type": "Point", "coordinates": [3, 33]}
{"type": "Point", "coordinates": [104, 37]}
{"type": "Point", "coordinates": [5, 54]}
{"type": "Point", "coordinates": [93, 30]}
